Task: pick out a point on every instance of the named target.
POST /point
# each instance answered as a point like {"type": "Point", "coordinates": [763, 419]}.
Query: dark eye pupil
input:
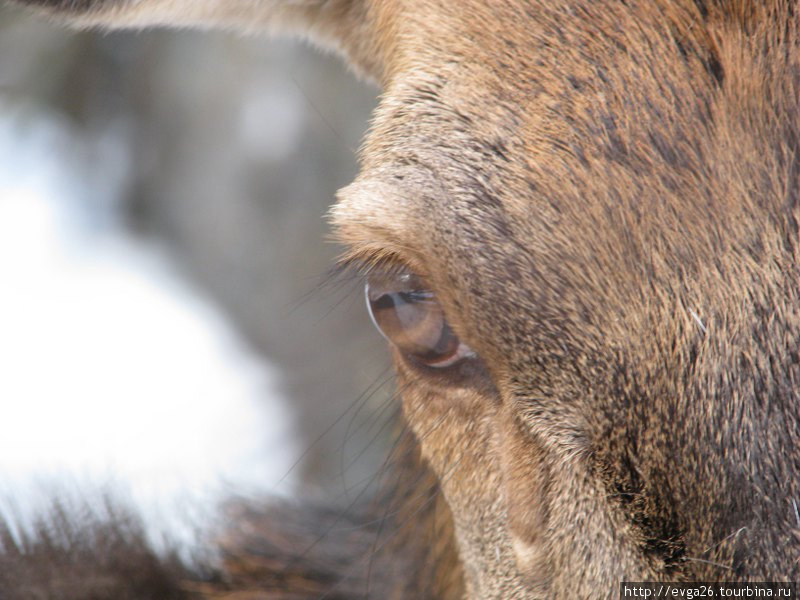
{"type": "Point", "coordinates": [411, 319]}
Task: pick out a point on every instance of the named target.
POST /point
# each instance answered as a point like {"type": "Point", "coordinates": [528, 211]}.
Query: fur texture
{"type": "Point", "coordinates": [82, 552]}
{"type": "Point", "coordinates": [604, 197]}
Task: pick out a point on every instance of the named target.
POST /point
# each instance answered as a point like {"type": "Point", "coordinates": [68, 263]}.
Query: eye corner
{"type": "Point", "coordinates": [462, 353]}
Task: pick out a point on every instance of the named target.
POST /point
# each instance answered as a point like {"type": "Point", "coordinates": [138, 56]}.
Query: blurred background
{"type": "Point", "coordinates": [166, 319]}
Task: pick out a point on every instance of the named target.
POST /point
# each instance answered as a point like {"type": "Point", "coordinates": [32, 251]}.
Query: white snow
{"type": "Point", "coordinates": [112, 369]}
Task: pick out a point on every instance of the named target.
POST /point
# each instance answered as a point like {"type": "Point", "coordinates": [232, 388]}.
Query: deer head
{"type": "Point", "coordinates": [579, 224]}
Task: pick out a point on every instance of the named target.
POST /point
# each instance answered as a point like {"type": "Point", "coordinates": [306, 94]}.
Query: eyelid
{"type": "Point", "coordinates": [379, 261]}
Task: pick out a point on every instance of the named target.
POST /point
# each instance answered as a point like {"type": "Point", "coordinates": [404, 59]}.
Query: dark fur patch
{"type": "Point", "coordinates": [74, 6]}
{"type": "Point", "coordinates": [82, 553]}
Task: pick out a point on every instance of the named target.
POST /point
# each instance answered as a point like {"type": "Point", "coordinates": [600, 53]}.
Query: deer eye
{"type": "Point", "coordinates": [407, 314]}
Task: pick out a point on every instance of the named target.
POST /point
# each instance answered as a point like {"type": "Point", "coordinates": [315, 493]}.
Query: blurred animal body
{"type": "Point", "coordinates": [578, 221]}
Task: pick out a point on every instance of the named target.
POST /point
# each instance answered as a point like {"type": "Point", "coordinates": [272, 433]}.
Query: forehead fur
{"type": "Point", "coordinates": [626, 144]}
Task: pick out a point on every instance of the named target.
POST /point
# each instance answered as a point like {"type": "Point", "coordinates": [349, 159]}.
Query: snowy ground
{"type": "Point", "coordinates": [112, 369]}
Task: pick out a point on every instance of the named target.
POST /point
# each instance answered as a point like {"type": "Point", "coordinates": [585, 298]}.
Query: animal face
{"type": "Point", "coordinates": [579, 226]}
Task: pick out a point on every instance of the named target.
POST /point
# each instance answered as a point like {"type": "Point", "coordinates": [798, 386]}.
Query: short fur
{"type": "Point", "coordinates": [604, 196]}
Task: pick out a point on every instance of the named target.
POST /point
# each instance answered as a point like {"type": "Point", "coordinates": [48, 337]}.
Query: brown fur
{"type": "Point", "coordinates": [604, 196]}
{"type": "Point", "coordinates": [82, 552]}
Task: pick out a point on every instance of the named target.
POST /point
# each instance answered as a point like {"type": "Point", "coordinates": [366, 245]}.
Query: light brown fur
{"type": "Point", "coordinates": [604, 197]}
